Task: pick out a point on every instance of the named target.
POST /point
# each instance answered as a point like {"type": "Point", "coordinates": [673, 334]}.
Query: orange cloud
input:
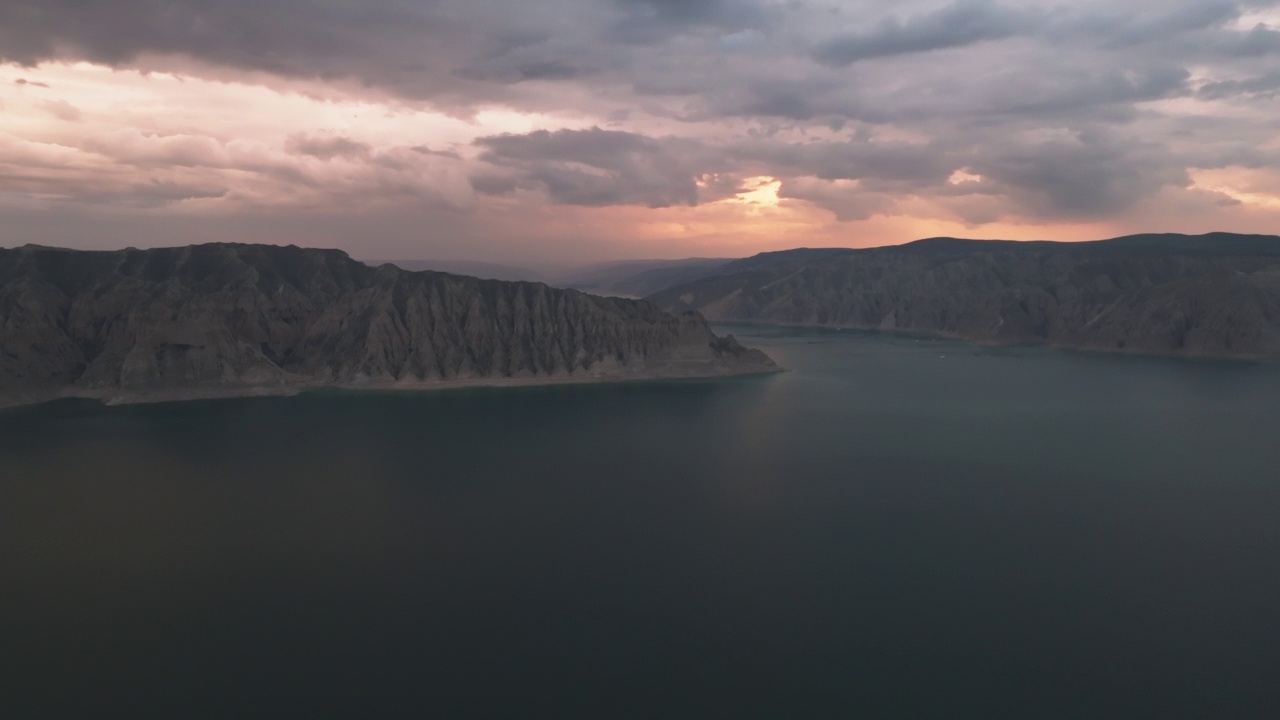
{"type": "Point", "coordinates": [146, 145]}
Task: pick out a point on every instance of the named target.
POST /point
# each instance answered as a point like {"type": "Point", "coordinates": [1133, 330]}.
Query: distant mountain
{"type": "Point", "coordinates": [214, 320]}
{"type": "Point", "coordinates": [1207, 295]}
{"type": "Point", "coordinates": [623, 278]}
{"type": "Point", "coordinates": [472, 268]}
{"type": "Point", "coordinates": [638, 278]}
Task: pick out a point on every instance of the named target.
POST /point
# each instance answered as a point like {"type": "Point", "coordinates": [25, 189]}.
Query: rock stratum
{"type": "Point", "coordinates": [224, 319]}
{"type": "Point", "coordinates": [1214, 295]}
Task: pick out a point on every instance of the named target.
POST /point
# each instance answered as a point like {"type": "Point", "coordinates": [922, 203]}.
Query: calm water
{"type": "Point", "coordinates": [892, 529]}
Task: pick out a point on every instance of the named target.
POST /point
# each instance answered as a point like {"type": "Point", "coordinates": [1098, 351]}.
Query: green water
{"type": "Point", "coordinates": [894, 528]}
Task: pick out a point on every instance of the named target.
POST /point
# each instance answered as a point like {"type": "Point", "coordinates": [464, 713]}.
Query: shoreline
{"type": "Point", "coordinates": [113, 398]}
{"type": "Point", "coordinates": [943, 335]}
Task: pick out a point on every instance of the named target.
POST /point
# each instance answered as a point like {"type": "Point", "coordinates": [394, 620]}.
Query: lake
{"type": "Point", "coordinates": [893, 528]}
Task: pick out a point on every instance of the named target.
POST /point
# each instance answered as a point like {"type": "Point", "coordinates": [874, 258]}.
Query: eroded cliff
{"type": "Point", "coordinates": [1214, 295]}
{"type": "Point", "coordinates": [225, 319]}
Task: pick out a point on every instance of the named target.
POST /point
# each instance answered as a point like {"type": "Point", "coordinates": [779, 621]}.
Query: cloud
{"type": "Point", "coordinates": [1081, 177]}
{"type": "Point", "coordinates": [655, 21]}
{"type": "Point", "coordinates": [1070, 93]}
{"type": "Point", "coordinates": [327, 148]}
{"type": "Point", "coordinates": [62, 110]}
{"type": "Point", "coordinates": [1264, 86]}
{"type": "Point", "coordinates": [857, 159]}
{"type": "Point", "coordinates": [594, 167]}
{"type": "Point", "coordinates": [151, 150]}
{"type": "Point", "coordinates": [1256, 42]}
{"type": "Point", "coordinates": [962, 23]}
{"type": "Point", "coordinates": [1087, 114]}
{"type": "Point", "coordinates": [1117, 27]}
{"type": "Point", "coordinates": [509, 71]}
{"type": "Point", "coordinates": [845, 199]}
{"type": "Point", "coordinates": [152, 194]}
{"type": "Point", "coordinates": [127, 167]}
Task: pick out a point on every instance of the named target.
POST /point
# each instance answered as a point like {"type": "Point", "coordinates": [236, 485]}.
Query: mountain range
{"type": "Point", "coordinates": [619, 278]}
{"type": "Point", "coordinates": [230, 319]}
{"type": "Point", "coordinates": [1215, 295]}
{"type": "Point", "coordinates": [227, 319]}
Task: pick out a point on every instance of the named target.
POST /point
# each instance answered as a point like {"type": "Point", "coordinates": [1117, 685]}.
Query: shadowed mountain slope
{"type": "Point", "coordinates": [1209, 295]}
{"type": "Point", "coordinates": [212, 320]}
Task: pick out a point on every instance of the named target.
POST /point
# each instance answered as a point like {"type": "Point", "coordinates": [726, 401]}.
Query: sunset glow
{"type": "Point", "coordinates": [1247, 187]}
{"type": "Point", "coordinates": [758, 194]}
{"type": "Point", "coordinates": [423, 145]}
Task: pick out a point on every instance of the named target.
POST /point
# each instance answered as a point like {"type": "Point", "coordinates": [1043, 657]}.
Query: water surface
{"type": "Point", "coordinates": [894, 528]}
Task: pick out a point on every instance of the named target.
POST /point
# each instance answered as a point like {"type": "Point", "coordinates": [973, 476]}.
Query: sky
{"type": "Point", "coordinates": [569, 131]}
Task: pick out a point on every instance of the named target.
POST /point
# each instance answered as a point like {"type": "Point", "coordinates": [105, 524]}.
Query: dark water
{"type": "Point", "coordinates": [882, 532]}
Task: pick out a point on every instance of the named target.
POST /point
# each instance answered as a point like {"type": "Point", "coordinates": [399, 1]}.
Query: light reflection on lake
{"type": "Point", "coordinates": [893, 528]}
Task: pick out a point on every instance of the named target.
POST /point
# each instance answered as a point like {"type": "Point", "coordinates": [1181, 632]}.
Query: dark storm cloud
{"type": "Point", "coordinates": [1259, 41]}
{"type": "Point", "coordinates": [1266, 86]}
{"type": "Point", "coordinates": [455, 51]}
{"type": "Point", "coordinates": [962, 23]}
{"type": "Point", "coordinates": [688, 11]}
{"type": "Point", "coordinates": [592, 167]}
{"type": "Point", "coordinates": [653, 21]}
{"type": "Point", "coordinates": [1062, 108]}
{"type": "Point", "coordinates": [1101, 93]}
{"type": "Point", "coordinates": [1087, 176]}
{"type": "Point", "coordinates": [751, 57]}
{"type": "Point", "coordinates": [234, 32]}
{"type": "Point", "coordinates": [1118, 27]}
{"type": "Point", "coordinates": [442, 49]}
{"type": "Point", "coordinates": [499, 72]}
{"type": "Point", "coordinates": [1072, 177]}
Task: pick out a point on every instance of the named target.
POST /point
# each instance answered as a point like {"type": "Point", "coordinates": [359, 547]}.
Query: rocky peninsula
{"type": "Point", "coordinates": [223, 320]}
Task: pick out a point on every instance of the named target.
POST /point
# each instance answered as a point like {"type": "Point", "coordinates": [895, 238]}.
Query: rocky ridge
{"type": "Point", "coordinates": [1214, 295]}
{"type": "Point", "coordinates": [228, 319]}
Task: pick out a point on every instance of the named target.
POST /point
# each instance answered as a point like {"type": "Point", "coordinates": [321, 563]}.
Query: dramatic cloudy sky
{"type": "Point", "coordinates": [561, 130]}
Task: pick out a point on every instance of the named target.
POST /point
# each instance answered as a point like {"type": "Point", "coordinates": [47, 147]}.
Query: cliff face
{"type": "Point", "coordinates": [1213, 295]}
{"type": "Point", "coordinates": [220, 319]}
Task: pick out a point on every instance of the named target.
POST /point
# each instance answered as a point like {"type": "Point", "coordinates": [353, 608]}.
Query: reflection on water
{"type": "Point", "coordinates": [895, 527]}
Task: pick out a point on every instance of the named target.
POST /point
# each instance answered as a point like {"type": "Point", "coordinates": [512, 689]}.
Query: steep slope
{"type": "Point", "coordinates": [1215, 295]}
{"type": "Point", "coordinates": [231, 319]}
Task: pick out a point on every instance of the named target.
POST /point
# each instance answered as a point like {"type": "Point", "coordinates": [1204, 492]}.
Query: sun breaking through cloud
{"type": "Point", "coordinates": [592, 129]}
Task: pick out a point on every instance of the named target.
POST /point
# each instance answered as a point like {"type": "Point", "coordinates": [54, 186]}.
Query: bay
{"type": "Point", "coordinates": [895, 527]}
